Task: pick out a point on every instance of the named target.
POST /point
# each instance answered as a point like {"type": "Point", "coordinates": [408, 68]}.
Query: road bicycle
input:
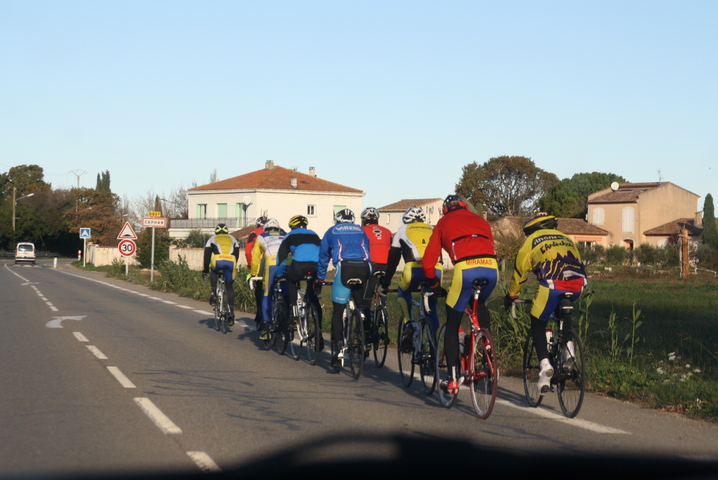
{"type": "Point", "coordinates": [275, 330]}
{"type": "Point", "coordinates": [417, 344]}
{"type": "Point", "coordinates": [565, 352]}
{"type": "Point", "coordinates": [352, 332]}
{"type": "Point", "coordinates": [378, 333]}
{"type": "Point", "coordinates": [308, 330]}
{"type": "Point", "coordinates": [477, 361]}
{"type": "Point", "coordinates": [221, 304]}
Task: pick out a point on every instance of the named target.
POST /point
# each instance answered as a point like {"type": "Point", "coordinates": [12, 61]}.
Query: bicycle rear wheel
{"type": "Point", "coordinates": [380, 331]}
{"type": "Point", "coordinates": [427, 362]}
{"type": "Point", "coordinates": [531, 372]}
{"type": "Point", "coordinates": [314, 332]}
{"type": "Point", "coordinates": [442, 369]}
{"type": "Point", "coordinates": [355, 347]}
{"type": "Point", "coordinates": [571, 375]}
{"type": "Point", "coordinates": [405, 351]}
{"type": "Point", "coordinates": [279, 336]}
{"type": "Point", "coordinates": [296, 333]}
{"type": "Point", "coordinates": [482, 374]}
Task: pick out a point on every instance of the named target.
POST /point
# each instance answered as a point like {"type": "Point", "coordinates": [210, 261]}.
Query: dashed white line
{"type": "Point", "coordinates": [576, 422]}
{"type": "Point", "coordinates": [204, 462]}
{"type": "Point", "coordinates": [168, 302]}
{"type": "Point", "coordinates": [80, 337]}
{"type": "Point", "coordinates": [96, 352]}
{"type": "Point", "coordinates": [156, 415]}
{"type": "Point", "coordinates": [124, 381]}
{"type": "Point", "coordinates": [184, 306]}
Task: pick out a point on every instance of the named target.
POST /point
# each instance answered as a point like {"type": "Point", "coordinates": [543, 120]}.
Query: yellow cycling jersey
{"type": "Point", "coordinates": [555, 260]}
{"type": "Point", "coordinates": [412, 239]}
{"type": "Point", "coordinates": [264, 252]}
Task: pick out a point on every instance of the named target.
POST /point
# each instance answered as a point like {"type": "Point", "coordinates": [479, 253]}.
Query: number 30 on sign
{"type": "Point", "coordinates": [127, 248]}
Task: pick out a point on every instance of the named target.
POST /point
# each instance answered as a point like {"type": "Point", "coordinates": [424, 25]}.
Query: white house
{"type": "Point", "coordinates": [273, 191]}
{"type": "Point", "coordinates": [390, 215]}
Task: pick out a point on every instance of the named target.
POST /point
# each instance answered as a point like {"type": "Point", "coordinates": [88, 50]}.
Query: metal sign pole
{"type": "Point", "coordinates": [152, 257]}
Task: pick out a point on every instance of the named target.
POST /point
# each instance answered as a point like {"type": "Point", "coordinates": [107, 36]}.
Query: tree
{"type": "Point", "coordinates": [505, 185]}
{"type": "Point", "coordinates": [569, 197]}
{"type": "Point", "coordinates": [103, 182]}
{"type": "Point", "coordinates": [710, 231]}
{"type": "Point", "coordinates": [25, 179]}
{"type": "Point", "coordinates": [144, 246]}
{"type": "Point", "coordinates": [97, 211]}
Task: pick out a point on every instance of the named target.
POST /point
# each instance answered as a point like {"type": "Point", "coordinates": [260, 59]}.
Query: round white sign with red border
{"type": "Point", "coordinates": [127, 247]}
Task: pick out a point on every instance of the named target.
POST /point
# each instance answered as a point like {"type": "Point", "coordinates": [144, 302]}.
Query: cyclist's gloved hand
{"type": "Point", "coordinates": [434, 287]}
{"type": "Point", "coordinates": [508, 301]}
{"type": "Point", "coordinates": [249, 275]}
{"type": "Point", "coordinates": [318, 284]}
{"type": "Point", "coordinates": [381, 289]}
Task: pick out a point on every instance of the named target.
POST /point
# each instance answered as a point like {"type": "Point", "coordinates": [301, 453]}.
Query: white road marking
{"type": "Point", "coordinates": [124, 381]}
{"type": "Point", "coordinates": [168, 302]}
{"type": "Point", "coordinates": [204, 312]}
{"type": "Point", "coordinates": [184, 306]}
{"type": "Point", "coordinates": [80, 337]}
{"type": "Point", "coordinates": [156, 415]}
{"type": "Point", "coordinates": [56, 322]}
{"type": "Point", "coordinates": [204, 462]}
{"type": "Point", "coordinates": [96, 352]}
{"type": "Point", "coordinates": [576, 422]}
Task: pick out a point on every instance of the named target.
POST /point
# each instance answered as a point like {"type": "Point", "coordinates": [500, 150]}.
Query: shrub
{"type": "Point", "coordinates": [616, 255]}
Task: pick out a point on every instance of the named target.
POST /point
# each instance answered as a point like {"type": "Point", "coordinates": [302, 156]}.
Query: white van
{"type": "Point", "coordinates": [25, 252]}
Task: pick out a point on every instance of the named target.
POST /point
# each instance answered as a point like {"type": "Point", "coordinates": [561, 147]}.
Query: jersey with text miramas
{"type": "Point", "coordinates": [554, 259]}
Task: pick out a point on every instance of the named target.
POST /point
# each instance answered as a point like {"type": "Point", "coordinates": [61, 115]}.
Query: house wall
{"type": "Point", "coordinates": [279, 204]}
{"type": "Point", "coordinates": [391, 219]}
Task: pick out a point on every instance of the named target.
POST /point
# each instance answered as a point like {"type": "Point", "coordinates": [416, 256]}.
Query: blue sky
{"type": "Point", "coordinates": [392, 97]}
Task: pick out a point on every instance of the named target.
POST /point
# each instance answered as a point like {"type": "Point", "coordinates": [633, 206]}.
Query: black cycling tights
{"type": "Point", "coordinates": [453, 320]}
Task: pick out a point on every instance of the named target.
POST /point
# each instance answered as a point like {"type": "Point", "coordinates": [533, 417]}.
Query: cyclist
{"type": "Point", "coordinates": [347, 246]}
{"type": "Point", "coordinates": [468, 240]}
{"type": "Point", "coordinates": [222, 250]}
{"type": "Point", "coordinates": [297, 257]}
{"type": "Point", "coordinates": [556, 262]}
{"type": "Point", "coordinates": [379, 246]}
{"type": "Point", "coordinates": [251, 238]}
{"type": "Point", "coordinates": [410, 242]}
{"type": "Point", "coordinates": [264, 263]}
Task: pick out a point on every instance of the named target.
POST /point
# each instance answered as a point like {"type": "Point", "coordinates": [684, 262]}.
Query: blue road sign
{"type": "Point", "coordinates": [85, 233]}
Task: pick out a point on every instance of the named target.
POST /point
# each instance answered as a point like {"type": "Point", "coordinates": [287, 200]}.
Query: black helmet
{"type": "Point", "coordinates": [454, 202]}
{"type": "Point", "coordinates": [541, 221]}
{"type": "Point", "coordinates": [344, 216]}
{"type": "Point", "coordinates": [370, 216]}
{"type": "Point", "coordinates": [221, 228]}
{"type": "Point", "coordinates": [261, 221]}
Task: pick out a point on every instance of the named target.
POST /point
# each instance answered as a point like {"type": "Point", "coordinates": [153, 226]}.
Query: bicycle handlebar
{"type": "Point", "coordinates": [513, 306]}
{"type": "Point", "coordinates": [252, 280]}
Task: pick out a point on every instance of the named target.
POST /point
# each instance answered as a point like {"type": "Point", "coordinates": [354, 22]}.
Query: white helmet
{"type": "Point", "coordinates": [272, 224]}
{"type": "Point", "coordinates": [414, 214]}
{"type": "Point", "coordinates": [344, 216]}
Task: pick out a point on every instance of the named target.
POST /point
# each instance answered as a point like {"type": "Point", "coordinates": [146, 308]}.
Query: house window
{"type": "Point", "coordinates": [627, 220]}
{"type": "Point", "coordinates": [221, 210]}
{"type": "Point", "coordinates": [310, 210]}
{"type": "Point", "coordinates": [598, 216]}
{"type": "Point", "coordinates": [201, 211]}
{"type": "Point", "coordinates": [338, 208]}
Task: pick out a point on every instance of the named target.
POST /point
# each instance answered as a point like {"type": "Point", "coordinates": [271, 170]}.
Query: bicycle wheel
{"type": "Point", "coordinates": [405, 350]}
{"type": "Point", "coordinates": [314, 332]}
{"type": "Point", "coordinates": [380, 331]}
{"type": "Point", "coordinates": [571, 375]}
{"type": "Point", "coordinates": [442, 369]}
{"type": "Point", "coordinates": [427, 363]}
{"type": "Point", "coordinates": [483, 374]}
{"type": "Point", "coordinates": [531, 372]}
{"type": "Point", "coordinates": [296, 335]}
{"type": "Point", "coordinates": [279, 335]}
{"type": "Point", "coordinates": [217, 307]}
{"type": "Point", "coordinates": [355, 346]}
{"type": "Point", "coordinates": [224, 310]}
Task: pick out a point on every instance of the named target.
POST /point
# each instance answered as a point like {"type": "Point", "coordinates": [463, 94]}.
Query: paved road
{"type": "Point", "coordinates": [99, 375]}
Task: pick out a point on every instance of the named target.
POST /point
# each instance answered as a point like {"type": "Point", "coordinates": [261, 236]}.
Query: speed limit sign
{"type": "Point", "coordinates": [127, 247]}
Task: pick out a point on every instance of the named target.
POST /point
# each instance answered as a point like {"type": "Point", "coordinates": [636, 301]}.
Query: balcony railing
{"type": "Point", "coordinates": [204, 223]}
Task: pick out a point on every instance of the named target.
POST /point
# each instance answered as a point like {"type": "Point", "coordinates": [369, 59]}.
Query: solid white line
{"type": "Point", "coordinates": [124, 381]}
{"type": "Point", "coordinates": [576, 422]}
{"type": "Point", "coordinates": [169, 302]}
{"type": "Point", "coordinates": [204, 462]}
{"type": "Point", "coordinates": [185, 306]}
{"type": "Point", "coordinates": [204, 312]}
{"type": "Point", "coordinates": [80, 337]}
{"type": "Point", "coordinates": [156, 415]}
{"type": "Point", "coordinates": [96, 352]}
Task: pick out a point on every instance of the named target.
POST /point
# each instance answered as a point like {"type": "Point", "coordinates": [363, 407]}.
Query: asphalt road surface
{"type": "Point", "coordinates": [99, 376]}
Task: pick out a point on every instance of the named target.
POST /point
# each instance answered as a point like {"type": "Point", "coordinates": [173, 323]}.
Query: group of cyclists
{"type": "Point", "coordinates": [360, 251]}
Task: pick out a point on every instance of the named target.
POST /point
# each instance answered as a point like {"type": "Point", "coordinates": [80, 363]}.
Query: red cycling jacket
{"type": "Point", "coordinates": [379, 242]}
{"type": "Point", "coordinates": [464, 235]}
{"type": "Point", "coordinates": [251, 238]}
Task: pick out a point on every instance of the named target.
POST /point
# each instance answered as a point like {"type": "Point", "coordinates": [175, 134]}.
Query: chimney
{"type": "Point", "coordinates": [312, 172]}
{"type": "Point", "coordinates": [293, 181]}
{"type": "Point", "coordinates": [269, 164]}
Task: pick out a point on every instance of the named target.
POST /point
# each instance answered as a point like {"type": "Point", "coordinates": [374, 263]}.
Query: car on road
{"type": "Point", "coordinates": [25, 252]}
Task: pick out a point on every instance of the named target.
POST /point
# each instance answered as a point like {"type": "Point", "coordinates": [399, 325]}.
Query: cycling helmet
{"type": "Point", "coordinates": [272, 224]}
{"type": "Point", "coordinates": [221, 228]}
{"type": "Point", "coordinates": [298, 221]}
{"type": "Point", "coordinates": [414, 214]}
{"type": "Point", "coordinates": [344, 216]}
{"type": "Point", "coordinates": [370, 216]}
{"type": "Point", "coordinates": [261, 221]}
{"type": "Point", "coordinates": [454, 202]}
{"type": "Point", "coordinates": [540, 222]}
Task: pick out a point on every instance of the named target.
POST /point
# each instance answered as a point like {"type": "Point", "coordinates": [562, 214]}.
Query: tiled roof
{"type": "Point", "coordinates": [402, 205]}
{"type": "Point", "coordinates": [626, 193]}
{"type": "Point", "coordinates": [276, 178]}
{"type": "Point", "coordinates": [569, 226]}
{"type": "Point", "coordinates": [674, 228]}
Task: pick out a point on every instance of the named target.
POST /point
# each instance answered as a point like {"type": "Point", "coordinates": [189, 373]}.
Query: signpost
{"type": "Point", "coordinates": [153, 220]}
{"type": "Point", "coordinates": [127, 246]}
{"type": "Point", "coordinates": [85, 233]}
